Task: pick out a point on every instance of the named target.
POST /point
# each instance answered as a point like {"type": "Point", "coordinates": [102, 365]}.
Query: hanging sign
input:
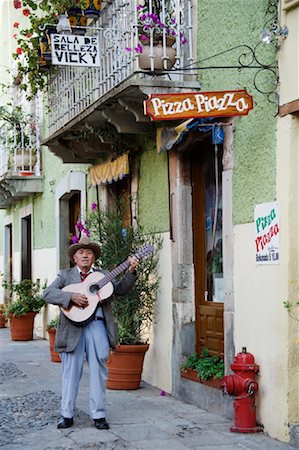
{"type": "Point", "coordinates": [189, 105]}
{"type": "Point", "coordinates": [266, 219]}
{"type": "Point", "coordinates": [74, 50]}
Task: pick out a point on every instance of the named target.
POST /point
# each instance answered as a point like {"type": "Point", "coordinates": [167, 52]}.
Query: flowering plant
{"type": "Point", "coordinates": [135, 311]}
{"type": "Point", "coordinates": [80, 230]}
{"type": "Point", "coordinates": [155, 22]}
{"type": "Point", "coordinates": [32, 67]}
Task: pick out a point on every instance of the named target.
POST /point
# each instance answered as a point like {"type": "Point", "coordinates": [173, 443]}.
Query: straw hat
{"type": "Point", "coordinates": [84, 242]}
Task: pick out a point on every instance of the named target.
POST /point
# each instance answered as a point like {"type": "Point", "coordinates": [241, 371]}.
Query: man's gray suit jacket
{"type": "Point", "coordinates": [68, 334]}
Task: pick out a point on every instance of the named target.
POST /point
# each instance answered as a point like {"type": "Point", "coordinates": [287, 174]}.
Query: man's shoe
{"type": "Point", "coordinates": [101, 424]}
{"type": "Point", "coordinates": [64, 422]}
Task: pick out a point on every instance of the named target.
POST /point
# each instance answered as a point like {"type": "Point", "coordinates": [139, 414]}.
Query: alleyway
{"type": "Point", "coordinates": [143, 419]}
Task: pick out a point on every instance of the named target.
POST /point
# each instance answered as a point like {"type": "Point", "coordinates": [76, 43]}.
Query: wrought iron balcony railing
{"type": "Point", "coordinates": [19, 149]}
{"type": "Point", "coordinates": [130, 38]}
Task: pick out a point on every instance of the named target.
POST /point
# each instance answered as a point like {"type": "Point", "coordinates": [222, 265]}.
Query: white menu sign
{"type": "Point", "coordinates": [266, 219]}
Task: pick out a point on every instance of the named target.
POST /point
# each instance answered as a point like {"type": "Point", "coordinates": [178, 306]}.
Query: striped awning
{"type": "Point", "coordinates": [109, 172]}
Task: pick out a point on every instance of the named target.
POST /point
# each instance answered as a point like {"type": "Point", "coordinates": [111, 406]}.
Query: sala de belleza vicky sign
{"type": "Point", "coordinates": [74, 50]}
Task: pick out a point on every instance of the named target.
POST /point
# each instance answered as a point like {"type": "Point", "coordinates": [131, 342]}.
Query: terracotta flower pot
{"type": "Point", "coordinates": [55, 357]}
{"type": "Point", "coordinates": [21, 328]}
{"type": "Point", "coordinates": [190, 374]}
{"type": "Point", "coordinates": [125, 366]}
{"type": "Point", "coordinates": [2, 320]}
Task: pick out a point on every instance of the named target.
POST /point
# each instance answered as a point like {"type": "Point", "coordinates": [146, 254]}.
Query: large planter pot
{"type": "Point", "coordinates": [23, 162]}
{"type": "Point", "coordinates": [160, 63]}
{"type": "Point", "coordinates": [125, 366]}
{"type": "Point", "coordinates": [55, 357]}
{"type": "Point", "coordinates": [2, 320]}
{"type": "Point", "coordinates": [21, 328]}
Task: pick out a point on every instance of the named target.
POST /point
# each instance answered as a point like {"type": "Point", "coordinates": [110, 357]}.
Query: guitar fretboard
{"type": "Point", "coordinates": [113, 274]}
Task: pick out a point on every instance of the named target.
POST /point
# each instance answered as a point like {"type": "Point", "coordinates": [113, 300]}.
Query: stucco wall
{"type": "Point", "coordinates": [44, 231]}
{"type": "Point", "coordinates": [157, 364]}
{"type": "Point", "coordinates": [265, 169]}
{"type": "Point", "coordinates": [153, 215]}
{"type": "Point", "coordinates": [224, 25]}
{"type": "Point", "coordinates": [153, 190]}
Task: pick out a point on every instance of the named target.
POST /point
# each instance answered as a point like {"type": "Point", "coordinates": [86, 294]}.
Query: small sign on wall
{"type": "Point", "coordinates": [266, 219]}
{"type": "Point", "coordinates": [74, 50]}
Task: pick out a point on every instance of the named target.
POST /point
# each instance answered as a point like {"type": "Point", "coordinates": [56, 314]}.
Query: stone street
{"type": "Point", "coordinates": [142, 419]}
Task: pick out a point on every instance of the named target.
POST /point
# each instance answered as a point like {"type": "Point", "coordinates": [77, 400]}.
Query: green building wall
{"type": "Point", "coordinates": [222, 26]}
{"type": "Point", "coordinates": [43, 205]}
{"type": "Point", "coordinates": [153, 190]}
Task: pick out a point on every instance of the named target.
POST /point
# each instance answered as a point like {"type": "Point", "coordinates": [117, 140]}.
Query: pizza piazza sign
{"type": "Point", "coordinates": [74, 50]}
{"type": "Point", "coordinates": [198, 104]}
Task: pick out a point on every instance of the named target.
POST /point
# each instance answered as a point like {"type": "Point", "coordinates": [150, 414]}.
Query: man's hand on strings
{"type": "Point", "coordinates": [133, 263]}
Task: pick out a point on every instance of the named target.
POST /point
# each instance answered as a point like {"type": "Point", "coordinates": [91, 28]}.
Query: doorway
{"type": "Point", "coordinates": [8, 258]}
{"type": "Point", "coordinates": [26, 250]}
{"type": "Point", "coordinates": [69, 213]}
{"type": "Point", "coordinates": [206, 178]}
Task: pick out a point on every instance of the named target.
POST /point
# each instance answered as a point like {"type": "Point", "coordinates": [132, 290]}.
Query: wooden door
{"type": "Point", "coordinates": [206, 167]}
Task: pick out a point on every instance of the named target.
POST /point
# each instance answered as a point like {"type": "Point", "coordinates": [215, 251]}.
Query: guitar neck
{"type": "Point", "coordinates": [113, 274]}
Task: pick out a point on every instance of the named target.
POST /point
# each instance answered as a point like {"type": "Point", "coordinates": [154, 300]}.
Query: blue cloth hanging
{"type": "Point", "coordinates": [168, 137]}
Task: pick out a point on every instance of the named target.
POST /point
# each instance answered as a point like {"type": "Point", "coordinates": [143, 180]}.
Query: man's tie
{"type": "Point", "coordinates": [84, 275]}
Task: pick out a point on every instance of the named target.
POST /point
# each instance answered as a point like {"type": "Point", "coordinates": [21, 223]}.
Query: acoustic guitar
{"type": "Point", "coordinates": [97, 287]}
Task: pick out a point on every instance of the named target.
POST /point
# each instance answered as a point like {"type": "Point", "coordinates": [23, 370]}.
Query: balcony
{"type": "Point", "coordinates": [113, 93]}
{"type": "Point", "coordinates": [19, 163]}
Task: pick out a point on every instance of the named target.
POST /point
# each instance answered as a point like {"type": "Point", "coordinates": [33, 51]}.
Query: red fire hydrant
{"type": "Point", "coordinates": [243, 386]}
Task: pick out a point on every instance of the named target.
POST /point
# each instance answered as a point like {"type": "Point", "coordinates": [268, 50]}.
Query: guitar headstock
{"type": "Point", "coordinates": [144, 252]}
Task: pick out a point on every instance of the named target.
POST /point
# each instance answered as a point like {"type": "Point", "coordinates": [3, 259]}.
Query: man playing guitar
{"type": "Point", "coordinates": [92, 336]}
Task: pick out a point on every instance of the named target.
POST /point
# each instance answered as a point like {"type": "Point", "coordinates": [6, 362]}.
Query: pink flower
{"type": "Point", "coordinates": [26, 12]}
{"type": "Point", "coordinates": [74, 239]}
{"type": "Point", "coordinates": [79, 226]}
{"type": "Point", "coordinates": [139, 48]}
{"type": "Point", "coordinates": [16, 24]}
{"type": "Point", "coordinates": [15, 36]}
{"type": "Point", "coordinates": [93, 206]}
{"type": "Point", "coordinates": [28, 35]}
{"type": "Point", "coordinates": [17, 4]}
{"type": "Point", "coordinates": [19, 51]}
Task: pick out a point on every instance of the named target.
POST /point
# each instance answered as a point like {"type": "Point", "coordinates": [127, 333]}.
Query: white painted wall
{"type": "Point", "coordinates": [157, 364]}
{"type": "Point", "coordinates": [261, 326]}
{"type": "Point", "coordinates": [44, 268]}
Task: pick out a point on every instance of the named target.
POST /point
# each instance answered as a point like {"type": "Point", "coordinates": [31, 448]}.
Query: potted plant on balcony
{"type": "Point", "coordinates": [33, 52]}
{"type": "Point", "coordinates": [157, 33]}
{"type": "Point", "coordinates": [26, 301]}
{"type": "Point", "coordinates": [18, 139]}
{"type": "Point", "coordinates": [51, 328]}
{"type": "Point", "coordinates": [135, 311]}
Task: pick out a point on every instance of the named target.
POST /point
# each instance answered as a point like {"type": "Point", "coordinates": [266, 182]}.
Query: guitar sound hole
{"type": "Point", "coordinates": [93, 288]}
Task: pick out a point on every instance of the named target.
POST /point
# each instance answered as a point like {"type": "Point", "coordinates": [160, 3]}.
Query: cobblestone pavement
{"type": "Point", "coordinates": [139, 420]}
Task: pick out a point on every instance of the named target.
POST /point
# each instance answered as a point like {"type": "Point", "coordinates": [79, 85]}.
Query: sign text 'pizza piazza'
{"type": "Point", "coordinates": [198, 104]}
{"type": "Point", "coordinates": [74, 50]}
